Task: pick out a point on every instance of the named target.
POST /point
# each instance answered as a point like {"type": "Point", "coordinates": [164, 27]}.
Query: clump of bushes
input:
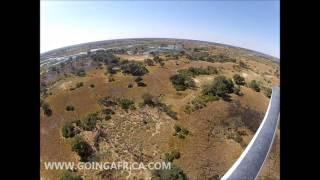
{"type": "Point", "coordinates": [199, 103]}
{"type": "Point", "coordinates": [69, 108]}
{"type": "Point", "coordinates": [79, 84]}
{"type": "Point", "coordinates": [141, 84]}
{"type": "Point", "coordinates": [221, 87]}
{"type": "Point", "coordinates": [254, 85]}
{"type": "Point", "coordinates": [169, 157]}
{"type": "Point", "coordinates": [107, 101]}
{"type": "Point", "coordinates": [237, 90]}
{"type": "Point", "coordinates": [82, 148]}
{"type": "Point", "coordinates": [239, 80]}
{"type": "Point", "coordinates": [126, 104]}
{"type": "Point", "coordinates": [180, 132]}
{"type": "Point", "coordinates": [134, 68]}
{"type": "Point", "coordinates": [89, 123]}
{"type": "Point", "coordinates": [192, 71]}
{"type": "Point", "coordinates": [182, 82]}
{"type": "Point", "coordinates": [68, 130]}
{"type": "Point", "coordinates": [138, 79]}
{"type": "Point", "coordinates": [174, 173]}
{"type": "Point", "coordinates": [268, 92]}
{"type": "Point", "coordinates": [81, 72]}
{"type": "Point", "coordinates": [152, 101]}
{"type": "Point", "coordinates": [46, 109]}
{"type": "Point", "coordinates": [149, 62]}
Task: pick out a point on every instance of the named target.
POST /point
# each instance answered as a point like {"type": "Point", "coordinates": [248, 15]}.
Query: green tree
{"type": "Point", "coordinates": [239, 80]}
{"type": "Point", "coordinates": [254, 85]}
{"type": "Point", "coordinates": [82, 148]}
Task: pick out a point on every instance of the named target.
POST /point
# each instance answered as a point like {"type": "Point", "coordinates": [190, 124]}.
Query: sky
{"type": "Point", "coordinates": [251, 24]}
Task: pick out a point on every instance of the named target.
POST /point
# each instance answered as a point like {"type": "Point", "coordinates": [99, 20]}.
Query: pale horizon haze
{"type": "Point", "coordinates": [249, 24]}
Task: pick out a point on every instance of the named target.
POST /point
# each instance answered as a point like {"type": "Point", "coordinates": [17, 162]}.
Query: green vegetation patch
{"type": "Point", "coordinates": [82, 148]}
{"type": "Point", "coordinates": [254, 85]}
{"type": "Point", "coordinates": [152, 101]}
{"type": "Point", "coordinates": [170, 156]}
{"type": "Point", "coordinates": [181, 132]}
{"type": "Point", "coordinates": [134, 68]}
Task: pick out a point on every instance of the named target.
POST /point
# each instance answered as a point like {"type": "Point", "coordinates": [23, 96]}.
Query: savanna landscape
{"type": "Point", "coordinates": [193, 103]}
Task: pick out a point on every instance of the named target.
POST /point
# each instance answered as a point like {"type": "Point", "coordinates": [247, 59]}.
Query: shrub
{"type": "Point", "coordinates": [149, 100]}
{"type": "Point", "coordinates": [174, 173]}
{"type": "Point", "coordinates": [237, 90]}
{"type": "Point", "coordinates": [134, 68]}
{"type": "Point", "coordinates": [81, 72]}
{"type": "Point", "coordinates": [111, 79]}
{"type": "Point", "coordinates": [138, 79]}
{"type": "Point", "coordinates": [130, 86]}
{"type": "Point", "coordinates": [108, 111]}
{"type": "Point", "coordinates": [46, 109]}
{"type": "Point", "coordinates": [141, 84]}
{"type": "Point", "coordinates": [149, 62]}
{"type": "Point", "coordinates": [169, 157]}
{"type": "Point", "coordinates": [126, 103]}
{"type": "Point", "coordinates": [192, 71]}
{"type": "Point", "coordinates": [239, 80]}
{"type": "Point", "coordinates": [68, 130]}
{"type": "Point", "coordinates": [79, 84]}
{"type": "Point", "coordinates": [181, 132]}
{"type": "Point", "coordinates": [243, 65]}
{"type": "Point", "coordinates": [182, 82]}
{"type": "Point", "coordinates": [254, 85]}
{"type": "Point", "coordinates": [221, 87]}
{"type": "Point", "coordinates": [82, 148]}
{"type": "Point", "coordinates": [69, 108]}
{"type": "Point", "coordinates": [155, 102]}
{"type": "Point", "coordinates": [92, 85]}
{"type": "Point", "coordinates": [89, 123]}
{"type": "Point", "coordinates": [107, 101]}
{"type": "Point", "coordinates": [268, 92]}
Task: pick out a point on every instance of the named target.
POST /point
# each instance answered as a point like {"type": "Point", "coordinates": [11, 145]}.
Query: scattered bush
{"type": "Point", "coordinates": [111, 79]}
{"type": "Point", "coordinates": [169, 157]}
{"type": "Point", "coordinates": [130, 86]}
{"type": "Point", "coordinates": [149, 62]}
{"type": "Point", "coordinates": [141, 84]}
{"type": "Point", "coordinates": [268, 92]}
{"type": "Point", "coordinates": [46, 109]}
{"type": "Point", "coordinates": [237, 90]}
{"type": "Point", "coordinates": [221, 87]}
{"type": "Point", "coordinates": [108, 111]}
{"type": "Point", "coordinates": [82, 148]}
{"type": "Point", "coordinates": [152, 101]}
{"type": "Point", "coordinates": [134, 68]}
{"type": "Point", "coordinates": [69, 108]}
{"type": "Point", "coordinates": [254, 85]}
{"type": "Point", "coordinates": [79, 84]}
{"type": "Point", "coordinates": [239, 80]}
{"type": "Point", "coordinates": [192, 71]}
{"type": "Point", "coordinates": [107, 101]}
{"type": "Point", "coordinates": [92, 85]}
{"type": "Point", "coordinates": [182, 82]}
{"type": "Point", "coordinates": [181, 132]}
{"type": "Point", "coordinates": [81, 72]}
{"type": "Point", "coordinates": [89, 123]}
{"type": "Point", "coordinates": [138, 79]}
{"type": "Point", "coordinates": [126, 103]}
{"type": "Point", "coordinates": [68, 130]}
